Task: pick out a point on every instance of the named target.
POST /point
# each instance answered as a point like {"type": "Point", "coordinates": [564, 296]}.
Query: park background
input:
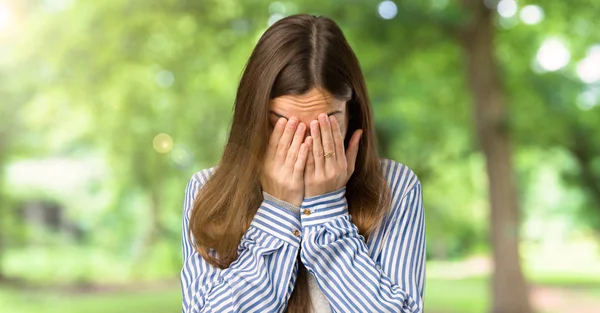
{"type": "Point", "coordinates": [108, 107]}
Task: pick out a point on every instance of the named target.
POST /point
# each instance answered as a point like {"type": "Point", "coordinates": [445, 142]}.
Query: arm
{"type": "Point", "coordinates": [334, 251]}
{"type": "Point", "coordinates": [263, 276]}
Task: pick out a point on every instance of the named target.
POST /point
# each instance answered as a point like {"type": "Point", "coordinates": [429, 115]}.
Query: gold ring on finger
{"type": "Point", "coordinates": [329, 154]}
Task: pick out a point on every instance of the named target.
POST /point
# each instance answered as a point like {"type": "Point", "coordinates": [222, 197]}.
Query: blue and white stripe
{"type": "Point", "coordinates": [386, 274]}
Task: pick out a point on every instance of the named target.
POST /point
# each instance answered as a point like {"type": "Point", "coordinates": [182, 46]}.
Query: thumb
{"type": "Point", "coordinates": [352, 150]}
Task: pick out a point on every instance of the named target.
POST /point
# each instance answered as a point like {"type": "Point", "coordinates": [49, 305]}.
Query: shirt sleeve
{"type": "Point", "coordinates": [261, 279]}
{"type": "Point", "coordinates": [336, 254]}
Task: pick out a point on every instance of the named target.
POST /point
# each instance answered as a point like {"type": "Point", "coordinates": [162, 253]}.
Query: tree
{"type": "Point", "coordinates": [510, 293]}
{"type": "Point", "coordinates": [133, 69]}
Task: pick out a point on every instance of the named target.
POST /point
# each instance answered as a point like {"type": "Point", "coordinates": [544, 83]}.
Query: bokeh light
{"type": "Point", "coordinates": [162, 143]}
{"type": "Point", "coordinates": [553, 55]}
{"type": "Point", "coordinates": [274, 18]}
{"type": "Point", "coordinates": [531, 14]}
{"type": "Point", "coordinates": [439, 4]}
{"type": "Point", "coordinates": [507, 8]}
{"type": "Point", "coordinates": [181, 156]}
{"type": "Point", "coordinates": [165, 78]}
{"type": "Point", "coordinates": [587, 100]}
{"type": "Point", "coordinates": [491, 4]}
{"type": "Point", "coordinates": [588, 69]}
{"type": "Point", "coordinates": [56, 6]}
{"type": "Point", "coordinates": [387, 10]}
{"type": "Point", "coordinates": [4, 16]}
{"type": "Point", "coordinates": [277, 8]}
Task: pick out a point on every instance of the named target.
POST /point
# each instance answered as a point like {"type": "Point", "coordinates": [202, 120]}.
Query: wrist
{"type": "Point", "coordinates": [281, 203]}
{"type": "Point", "coordinates": [315, 192]}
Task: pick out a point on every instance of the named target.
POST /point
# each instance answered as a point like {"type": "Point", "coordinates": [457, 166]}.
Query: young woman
{"type": "Point", "coordinates": [300, 214]}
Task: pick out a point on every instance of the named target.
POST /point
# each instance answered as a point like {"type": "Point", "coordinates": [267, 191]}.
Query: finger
{"type": "Point", "coordinates": [310, 161]}
{"type": "Point", "coordinates": [275, 136]}
{"type": "Point", "coordinates": [352, 151]}
{"type": "Point", "coordinates": [284, 142]}
{"type": "Point", "coordinates": [317, 147]}
{"type": "Point", "coordinates": [327, 140]}
{"type": "Point", "coordinates": [326, 134]}
{"type": "Point", "coordinates": [300, 164]}
{"type": "Point", "coordinates": [292, 154]}
{"type": "Point", "coordinates": [338, 140]}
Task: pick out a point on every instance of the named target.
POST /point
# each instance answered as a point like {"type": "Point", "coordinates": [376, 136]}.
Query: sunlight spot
{"type": "Point", "coordinates": [439, 4]}
{"type": "Point", "coordinates": [276, 8]}
{"type": "Point", "coordinates": [507, 8]}
{"type": "Point", "coordinates": [162, 143]}
{"type": "Point", "coordinates": [58, 175]}
{"type": "Point", "coordinates": [588, 69]}
{"type": "Point", "coordinates": [55, 6]}
{"type": "Point", "coordinates": [165, 78]}
{"type": "Point", "coordinates": [274, 18]}
{"type": "Point", "coordinates": [553, 55]}
{"type": "Point", "coordinates": [181, 156]}
{"type": "Point", "coordinates": [491, 4]}
{"type": "Point", "coordinates": [387, 10]}
{"type": "Point", "coordinates": [5, 16]}
{"type": "Point", "coordinates": [587, 100]}
{"type": "Point", "coordinates": [531, 14]}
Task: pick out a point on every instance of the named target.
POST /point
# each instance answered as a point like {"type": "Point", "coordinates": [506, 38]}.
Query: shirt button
{"type": "Point", "coordinates": [296, 232]}
{"type": "Point", "coordinates": [306, 212]}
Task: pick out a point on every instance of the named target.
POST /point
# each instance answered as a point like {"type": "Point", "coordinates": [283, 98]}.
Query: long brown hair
{"type": "Point", "coordinates": [295, 54]}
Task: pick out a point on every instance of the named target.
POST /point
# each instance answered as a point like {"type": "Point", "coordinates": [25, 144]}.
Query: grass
{"type": "Point", "coordinates": [442, 296]}
{"type": "Point", "coordinates": [449, 296]}
{"type": "Point", "coordinates": [471, 295]}
{"type": "Point", "coordinates": [18, 301]}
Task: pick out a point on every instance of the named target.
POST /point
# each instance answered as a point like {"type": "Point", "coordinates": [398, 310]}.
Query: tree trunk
{"type": "Point", "coordinates": [3, 204]}
{"type": "Point", "coordinates": [510, 292]}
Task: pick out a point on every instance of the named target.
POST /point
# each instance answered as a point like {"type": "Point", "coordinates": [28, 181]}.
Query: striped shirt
{"type": "Point", "coordinates": [384, 274]}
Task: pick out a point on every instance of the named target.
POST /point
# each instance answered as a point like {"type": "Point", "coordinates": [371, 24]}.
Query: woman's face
{"type": "Point", "coordinates": [307, 107]}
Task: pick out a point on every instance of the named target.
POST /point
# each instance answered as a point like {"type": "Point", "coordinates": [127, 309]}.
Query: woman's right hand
{"type": "Point", "coordinates": [283, 171]}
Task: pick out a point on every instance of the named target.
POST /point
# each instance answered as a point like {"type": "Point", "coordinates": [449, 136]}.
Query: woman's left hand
{"type": "Point", "coordinates": [326, 174]}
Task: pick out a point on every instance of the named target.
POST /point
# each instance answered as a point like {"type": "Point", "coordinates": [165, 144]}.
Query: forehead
{"type": "Point", "coordinates": [313, 102]}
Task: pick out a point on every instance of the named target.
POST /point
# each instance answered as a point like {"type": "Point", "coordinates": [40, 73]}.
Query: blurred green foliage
{"type": "Point", "coordinates": [108, 107]}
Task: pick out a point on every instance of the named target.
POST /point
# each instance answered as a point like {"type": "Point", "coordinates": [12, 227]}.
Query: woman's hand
{"type": "Point", "coordinates": [327, 174]}
{"type": "Point", "coordinates": [285, 160]}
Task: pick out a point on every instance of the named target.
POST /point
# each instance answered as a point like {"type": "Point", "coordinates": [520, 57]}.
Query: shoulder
{"type": "Point", "coordinates": [194, 184]}
{"type": "Point", "coordinates": [201, 177]}
{"type": "Point", "coordinates": [198, 180]}
{"type": "Point", "coordinates": [400, 177]}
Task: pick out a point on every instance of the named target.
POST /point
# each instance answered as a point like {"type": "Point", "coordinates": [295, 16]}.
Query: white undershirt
{"type": "Point", "coordinates": [320, 302]}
